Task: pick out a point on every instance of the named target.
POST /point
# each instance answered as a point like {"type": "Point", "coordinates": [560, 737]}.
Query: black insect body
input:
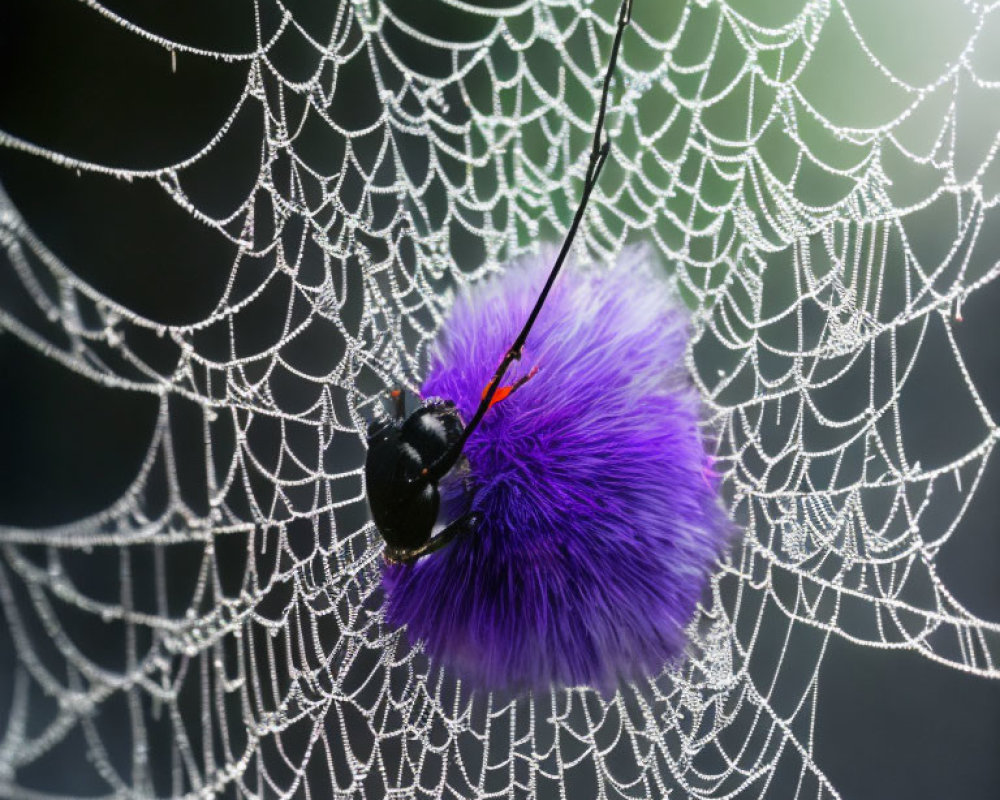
{"type": "Point", "coordinates": [406, 458]}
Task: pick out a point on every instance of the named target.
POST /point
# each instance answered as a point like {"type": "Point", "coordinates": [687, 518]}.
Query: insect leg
{"type": "Point", "coordinates": [463, 524]}
{"type": "Point", "coordinates": [399, 402]}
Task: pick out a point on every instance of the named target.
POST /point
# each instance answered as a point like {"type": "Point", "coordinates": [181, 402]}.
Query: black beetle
{"type": "Point", "coordinates": [402, 491]}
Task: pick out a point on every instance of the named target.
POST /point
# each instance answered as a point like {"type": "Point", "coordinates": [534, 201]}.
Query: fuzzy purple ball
{"type": "Point", "coordinates": [601, 520]}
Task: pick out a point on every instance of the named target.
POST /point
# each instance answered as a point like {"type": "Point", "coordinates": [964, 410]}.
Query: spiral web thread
{"type": "Point", "coordinates": [793, 225]}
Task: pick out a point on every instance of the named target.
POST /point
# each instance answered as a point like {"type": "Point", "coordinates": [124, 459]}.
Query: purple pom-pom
{"type": "Point", "coordinates": [600, 513]}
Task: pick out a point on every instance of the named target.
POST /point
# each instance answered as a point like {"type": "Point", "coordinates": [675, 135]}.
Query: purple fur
{"type": "Point", "coordinates": [601, 519]}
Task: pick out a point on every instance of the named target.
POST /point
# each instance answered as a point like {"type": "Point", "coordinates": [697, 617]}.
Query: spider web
{"type": "Point", "coordinates": [824, 197]}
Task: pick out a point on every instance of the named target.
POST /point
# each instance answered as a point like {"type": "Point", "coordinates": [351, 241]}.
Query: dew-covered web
{"type": "Point", "coordinates": [823, 190]}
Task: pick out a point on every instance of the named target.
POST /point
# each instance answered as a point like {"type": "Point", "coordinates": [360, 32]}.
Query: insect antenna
{"type": "Point", "coordinates": [598, 155]}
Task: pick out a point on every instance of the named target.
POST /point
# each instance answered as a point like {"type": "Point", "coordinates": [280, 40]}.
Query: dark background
{"type": "Point", "coordinates": [890, 724]}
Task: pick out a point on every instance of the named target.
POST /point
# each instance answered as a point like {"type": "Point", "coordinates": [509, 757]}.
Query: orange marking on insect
{"type": "Point", "coordinates": [503, 392]}
{"type": "Point", "coordinates": [395, 393]}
